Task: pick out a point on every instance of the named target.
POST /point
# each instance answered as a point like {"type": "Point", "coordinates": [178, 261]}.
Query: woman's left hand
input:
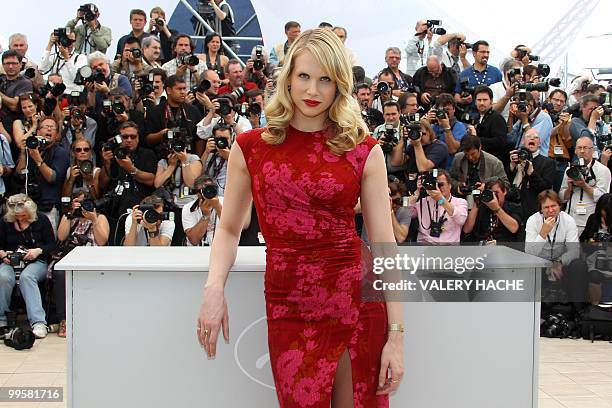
{"type": "Point", "coordinates": [392, 359]}
{"type": "Point", "coordinates": [32, 254]}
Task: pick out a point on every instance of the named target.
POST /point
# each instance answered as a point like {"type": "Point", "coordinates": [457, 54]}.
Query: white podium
{"type": "Point", "coordinates": [131, 332]}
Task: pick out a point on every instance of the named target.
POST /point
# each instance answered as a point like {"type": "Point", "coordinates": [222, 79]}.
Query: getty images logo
{"type": "Point", "coordinates": [251, 353]}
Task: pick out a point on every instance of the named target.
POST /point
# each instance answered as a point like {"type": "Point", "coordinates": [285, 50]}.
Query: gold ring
{"type": "Point", "coordinates": [395, 381]}
{"type": "Point", "coordinates": [206, 332]}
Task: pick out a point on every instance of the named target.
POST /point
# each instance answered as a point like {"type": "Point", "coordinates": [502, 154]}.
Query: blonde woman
{"type": "Point", "coordinates": [305, 172]}
{"type": "Point", "coordinates": [28, 232]}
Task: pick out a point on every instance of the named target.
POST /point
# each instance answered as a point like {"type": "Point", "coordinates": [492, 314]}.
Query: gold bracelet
{"type": "Point", "coordinates": [396, 327]}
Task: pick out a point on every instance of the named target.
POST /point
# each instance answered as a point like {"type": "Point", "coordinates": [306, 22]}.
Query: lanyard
{"type": "Point", "coordinates": [482, 81]}
{"type": "Point", "coordinates": [552, 243]}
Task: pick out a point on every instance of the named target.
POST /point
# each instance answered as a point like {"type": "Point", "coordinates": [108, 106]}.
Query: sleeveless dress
{"type": "Point", "coordinates": [304, 197]}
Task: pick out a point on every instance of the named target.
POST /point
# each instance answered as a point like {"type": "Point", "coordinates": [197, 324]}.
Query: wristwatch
{"type": "Point", "coordinates": [447, 129]}
{"type": "Point", "coordinates": [133, 172]}
{"type": "Point", "coordinates": [396, 327]}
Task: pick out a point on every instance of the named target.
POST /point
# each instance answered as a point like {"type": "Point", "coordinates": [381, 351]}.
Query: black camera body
{"type": "Point", "coordinates": [466, 89]}
{"type": "Point", "coordinates": [56, 90]}
{"type": "Point", "coordinates": [188, 59]}
{"type": "Point", "coordinates": [146, 84]}
{"type": "Point", "coordinates": [16, 257]}
{"type": "Point", "coordinates": [150, 215]}
{"type": "Point", "coordinates": [524, 154]}
{"type": "Point", "coordinates": [209, 191]}
{"type": "Point", "coordinates": [577, 170]}
{"type": "Point", "coordinates": [118, 107]}
{"type": "Point", "coordinates": [159, 22]}
{"type": "Point", "coordinates": [487, 196]}
{"type": "Point", "coordinates": [523, 53]}
{"type": "Point", "coordinates": [391, 140]}
{"type": "Point", "coordinates": [62, 36]}
{"type": "Point", "coordinates": [411, 125]}
{"type": "Point", "coordinates": [136, 53]}
{"type": "Point", "coordinates": [36, 142]}
{"type": "Point", "coordinates": [88, 12]}
{"type": "Point", "coordinates": [604, 142]}
{"type": "Point", "coordinates": [114, 144]}
{"type": "Point", "coordinates": [202, 87]}
{"type": "Point", "coordinates": [258, 63]}
{"type": "Point", "coordinates": [430, 180]}
{"type": "Point", "coordinates": [178, 139]}
{"type": "Point", "coordinates": [225, 106]}
{"type": "Point", "coordinates": [538, 86]}
{"type": "Point", "coordinates": [86, 166]}
{"type": "Point", "coordinates": [602, 237]}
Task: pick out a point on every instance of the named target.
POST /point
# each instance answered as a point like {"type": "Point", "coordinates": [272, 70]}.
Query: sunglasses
{"type": "Point", "coordinates": [129, 137]}
{"type": "Point", "coordinates": [82, 149]}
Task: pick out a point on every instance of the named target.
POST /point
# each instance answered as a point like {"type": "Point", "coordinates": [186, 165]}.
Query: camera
{"type": "Point", "coordinates": [439, 112]}
{"type": "Point", "coordinates": [431, 23]}
{"type": "Point", "coordinates": [238, 93]}
{"type": "Point", "coordinates": [221, 142]}
{"type": "Point", "coordinates": [146, 84]}
{"type": "Point", "coordinates": [136, 53]}
{"type": "Point", "coordinates": [36, 142]}
{"type": "Point", "coordinates": [151, 216]}
{"type": "Point", "coordinates": [114, 144]}
{"type": "Point", "coordinates": [209, 191]}
{"type": "Point", "coordinates": [202, 87]}
{"type": "Point", "coordinates": [88, 12]}
{"type": "Point", "coordinates": [86, 166]}
{"type": "Point", "coordinates": [522, 54]}
{"type": "Point", "coordinates": [177, 139]}
{"type": "Point", "coordinates": [382, 87]}
{"type": "Point", "coordinates": [159, 22]}
{"type": "Point", "coordinates": [466, 89]}
{"type": "Point", "coordinates": [543, 70]}
{"type": "Point", "coordinates": [577, 170]}
{"type": "Point", "coordinates": [88, 76]}
{"type": "Point", "coordinates": [118, 107]}
{"type": "Point", "coordinates": [258, 63]}
{"type": "Point", "coordinates": [512, 72]}
{"type": "Point", "coordinates": [16, 257]}
{"type": "Point", "coordinates": [188, 59]}
{"type": "Point", "coordinates": [246, 109]}
{"type": "Point", "coordinates": [604, 142]}
{"type": "Point", "coordinates": [524, 154]}
{"type": "Point", "coordinates": [430, 180]}
{"type": "Point", "coordinates": [487, 196]}
{"type": "Point", "coordinates": [411, 125]}
{"type": "Point", "coordinates": [62, 36]}
{"type": "Point", "coordinates": [471, 184]}
{"type": "Point", "coordinates": [206, 10]}
{"type": "Point", "coordinates": [391, 139]}
{"type": "Point", "coordinates": [522, 103]}
{"type": "Point", "coordinates": [538, 86]}
{"type": "Point", "coordinates": [55, 89]}
{"type": "Point", "coordinates": [602, 237]}
{"type": "Point", "coordinates": [225, 106]}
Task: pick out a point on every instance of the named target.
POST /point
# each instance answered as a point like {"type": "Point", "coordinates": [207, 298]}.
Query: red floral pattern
{"type": "Point", "coordinates": [304, 197]}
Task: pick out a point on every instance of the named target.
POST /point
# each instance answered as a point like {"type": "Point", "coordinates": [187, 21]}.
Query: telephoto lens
{"type": "Point", "coordinates": [86, 166]}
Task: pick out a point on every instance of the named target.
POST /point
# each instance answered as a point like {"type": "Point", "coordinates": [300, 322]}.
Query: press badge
{"type": "Point", "coordinates": [405, 201]}
{"type": "Point", "coordinates": [558, 150]}
{"type": "Point", "coordinates": [185, 191]}
{"type": "Point", "coordinates": [581, 209]}
{"type": "Point", "coordinates": [119, 189]}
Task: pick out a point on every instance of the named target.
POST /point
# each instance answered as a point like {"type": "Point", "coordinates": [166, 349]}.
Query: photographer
{"type": "Point", "coordinates": [26, 242]}
{"type": "Point", "coordinates": [77, 124]}
{"type": "Point", "coordinates": [447, 128]}
{"type": "Point", "coordinates": [277, 54]}
{"type": "Point", "coordinates": [102, 81]}
{"type": "Point", "coordinates": [172, 113]}
{"type": "Point", "coordinates": [530, 172]}
{"type": "Point", "coordinates": [529, 116]}
{"type": "Point", "coordinates": [589, 123]}
{"type": "Point", "coordinates": [598, 231]}
{"type": "Point", "coordinates": [219, 16]}
{"type": "Point", "coordinates": [237, 85]}
{"type": "Point", "coordinates": [479, 74]}
{"type": "Point", "coordinates": [382, 89]}
{"type": "Point", "coordinates": [408, 103]}
{"type": "Point", "coordinates": [493, 219]}
{"type": "Point", "coordinates": [178, 171]}
{"type": "Point", "coordinates": [184, 65]}
{"type": "Point", "coordinates": [491, 127]}
{"type": "Point", "coordinates": [452, 50]}
{"type": "Point", "coordinates": [552, 234]}
{"type": "Point", "coordinates": [213, 52]}
{"type": "Point", "coordinates": [200, 218]}
{"type": "Point", "coordinates": [91, 36]}
{"type": "Point", "coordinates": [418, 151]}
{"type": "Point", "coordinates": [79, 227]}
{"type": "Point", "coordinates": [19, 43]}
{"type": "Point", "coordinates": [522, 53]}
{"type": "Point", "coordinates": [507, 88]}
{"type": "Point", "coordinates": [30, 107]}
{"type": "Point", "coordinates": [561, 141]}
{"type": "Point", "coordinates": [402, 81]}
{"type": "Point", "coordinates": [138, 20]}
{"type": "Point", "coordinates": [224, 112]}
{"type": "Point", "coordinates": [472, 166]}
{"type": "Point", "coordinates": [342, 34]}
{"type": "Point", "coordinates": [258, 70]}
{"type": "Point", "coordinates": [12, 84]}
{"type": "Point", "coordinates": [142, 229]}
{"type": "Point", "coordinates": [129, 62]}
{"type": "Point", "coordinates": [82, 175]}
{"type": "Point", "coordinates": [416, 53]}
{"type": "Point", "coordinates": [255, 99]}
{"type": "Point", "coordinates": [373, 117]}
{"type": "Point", "coordinates": [128, 172]}
{"type": "Point", "coordinates": [216, 155]}
{"type": "Point", "coordinates": [46, 162]}
{"type": "Point", "coordinates": [440, 214]}
{"type": "Point", "coordinates": [64, 60]}
{"type": "Point", "coordinates": [6, 164]}
{"type": "Point", "coordinates": [584, 182]}
{"type": "Point", "coordinates": [388, 136]}
{"type": "Point", "coordinates": [151, 52]}
{"type": "Point", "coordinates": [158, 28]}
{"type": "Point", "coordinates": [434, 79]}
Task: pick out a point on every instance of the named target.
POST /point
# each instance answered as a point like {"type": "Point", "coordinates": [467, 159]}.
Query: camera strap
{"type": "Point", "coordinates": [552, 243]}
{"type": "Point", "coordinates": [483, 80]}
{"type": "Point", "coordinates": [440, 219]}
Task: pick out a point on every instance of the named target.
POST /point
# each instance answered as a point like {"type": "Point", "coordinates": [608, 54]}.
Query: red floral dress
{"type": "Point", "coordinates": [304, 196]}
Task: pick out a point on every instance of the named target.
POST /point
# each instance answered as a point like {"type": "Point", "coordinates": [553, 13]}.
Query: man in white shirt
{"type": "Point", "coordinates": [452, 51]}
{"type": "Point", "coordinates": [146, 226]}
{"type": "Point", "coordinates": [504, 91]}
{"type": "Point", "coordinates": [581, 189]}
{"type": "Point", "coordinates": [63, 60]}
{"type": "Point", "coordinates": [201, 216]}
{"type": "Point", "coordinates": [552, 234]}
{"type": "Point", "coordinates": [341, 33]}
{"type": "Point", "coordinates": [416, 50]}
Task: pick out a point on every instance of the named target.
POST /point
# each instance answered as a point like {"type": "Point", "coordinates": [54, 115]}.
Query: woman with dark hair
{"type": "Point", "coordinates": [213, 54]}
{"type": "Point", "coordinates": [30, 107]}
{"type": "Point", "coordinates": [82, 173]}
{"type": "Point", "coordinates": [598, 231]}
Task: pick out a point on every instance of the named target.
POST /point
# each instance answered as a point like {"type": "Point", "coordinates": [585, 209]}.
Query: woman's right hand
{"type": "Point", "coordinates": [212, 318]}
{"type": "Point", "coordinates": [75, 171]}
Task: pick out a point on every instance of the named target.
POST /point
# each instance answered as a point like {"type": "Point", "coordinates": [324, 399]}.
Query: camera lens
{"type": "Point", "coordinates": [136, 52]}
{"type": "Point", "coordinates": [487, 196]}
{"type": "Point", "coordinates": [210, 191]}
{"type": "Point", "coordinates": [177, 145]}
{"type": "Point", "coordinates": [221, 142]}
{"type": "Point", "coordinates": [121, 153]}
{"type": "Point", "coordinates": [88, 205]}
{"type": "Point", "coordinates": [151, 216]}
{"type": "Point", "coordinates": [258, 65]}
{"type": "Point", "coordinates": [32, 142]}
{"type": "Point", "coordinates": [86, 166]}
{"type": "Point", "coordinates": [382, 87]}
{"type": "Point", "coordinates": [159, 22]}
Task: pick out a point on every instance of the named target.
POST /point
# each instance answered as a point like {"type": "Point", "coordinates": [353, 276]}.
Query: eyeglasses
{"type": "Point", "coordinates": [583, 148]}
{"type": "Point", "coordinates": [11, 63]}
{"type": "Point", "coordinates": [15, 204]}
{"type": "Point", "coordinates": [82, 149]}
{"type": "Point", "coordinates": [48, 127]}
{"type": "Point", "coordinates": [129, 137]}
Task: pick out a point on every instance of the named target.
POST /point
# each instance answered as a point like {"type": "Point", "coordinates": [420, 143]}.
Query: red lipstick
{"type": "Point", "coordinates": [311, 103]}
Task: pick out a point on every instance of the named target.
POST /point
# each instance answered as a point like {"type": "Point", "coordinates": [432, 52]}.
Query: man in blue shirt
{"type": "Point", "coordinates": [532, 117]}
{"type": "Point", "coordinates": [448, 129]}
{"type": "Point", "coordinates": [480, 73]}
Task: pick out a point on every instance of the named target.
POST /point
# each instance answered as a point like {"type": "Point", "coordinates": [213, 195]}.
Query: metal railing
{"type": "Point", "coordinates": [226, 47]}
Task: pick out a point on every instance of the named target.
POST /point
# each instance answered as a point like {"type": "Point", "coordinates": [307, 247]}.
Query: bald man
{"type": "Point", "coordinates": [434, 79]}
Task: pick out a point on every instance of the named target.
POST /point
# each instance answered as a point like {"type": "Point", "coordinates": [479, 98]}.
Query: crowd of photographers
{"type": "Point", "coordinates": [134, 151]}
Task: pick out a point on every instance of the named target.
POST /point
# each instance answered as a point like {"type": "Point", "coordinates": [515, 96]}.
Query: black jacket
{"type": "Point", "coordinates": [492, 131]}
{"type": "Point", "coordinates": [448, 76]}
{"type": "Point", "coordinates": [541, 179]}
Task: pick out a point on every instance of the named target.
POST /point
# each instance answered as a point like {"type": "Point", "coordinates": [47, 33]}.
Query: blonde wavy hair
{"type": "Point", "coordinates": [344, 113]}
{"type": "Point", "coordinates": [29, 207]}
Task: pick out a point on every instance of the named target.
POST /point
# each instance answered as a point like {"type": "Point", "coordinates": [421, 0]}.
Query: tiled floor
{"type": "Point", "coordinates": [573, 373]}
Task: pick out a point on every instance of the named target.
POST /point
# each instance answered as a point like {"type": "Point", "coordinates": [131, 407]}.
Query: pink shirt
{"type": "Point", "coordinates": [451, 230]}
